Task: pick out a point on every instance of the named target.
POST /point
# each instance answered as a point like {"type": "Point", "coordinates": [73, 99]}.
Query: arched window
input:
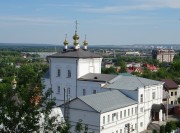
{"type": "Point", "coordinates": [69, 73]}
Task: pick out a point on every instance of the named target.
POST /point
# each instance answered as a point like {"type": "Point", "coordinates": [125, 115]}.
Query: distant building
{"type": "Point", "coordinates": [151, 67]}
{"type": "Point", "coordinates": [163, 55]}
{"type": "Point", "coordinates": [135, 53]}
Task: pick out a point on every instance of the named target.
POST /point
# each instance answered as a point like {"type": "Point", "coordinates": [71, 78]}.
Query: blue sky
{"type": "Point", "coordinates": [105, 22]}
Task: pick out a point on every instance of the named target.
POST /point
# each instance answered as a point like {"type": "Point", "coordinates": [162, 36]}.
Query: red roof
{"type": "Point", "coordinates": [169, 84]}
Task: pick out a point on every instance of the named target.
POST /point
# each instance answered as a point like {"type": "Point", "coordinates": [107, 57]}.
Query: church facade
{"type": "Point", "coordinates": [106, 103]}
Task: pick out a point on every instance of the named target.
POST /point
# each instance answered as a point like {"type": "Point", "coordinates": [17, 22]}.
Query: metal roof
{"type": "Point", "coordinates": [97, 77]}
{"type": "Point", "coordinates": [130, 82]}
{"type": "Point", "coordinates": [107, 101]}
{"type": "Point", "coordinates": [72, 53]}
{"type": "Point", "coordinates": [169, 84]}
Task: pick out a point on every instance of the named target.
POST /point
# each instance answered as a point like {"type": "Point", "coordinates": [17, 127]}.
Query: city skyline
{"type": "Point", "coordinates": [107, 22]}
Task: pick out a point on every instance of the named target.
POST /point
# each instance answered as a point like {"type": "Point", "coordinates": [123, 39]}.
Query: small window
{"type": "Point", "coordinates": [58, 90]}
{"type": "Point", "coordinates": [132, 111]}
{"type": "Point", "coordinates": [153, 95]}
{"type": "Point", "coordinates": [141, 109]}
{"type": "Point", "coordinates": [108, 118]}
{"type": "Point", "coordinates": [124, 113]}
{"type": "Point", "coordinates": [116, 131]}
{"type": "Point", "coordinates": [171, 93]}
{"type": "Point", "coordinates": [69, 73]}
{"type": "Point", "coordinates": [94, 91]}
{"type": "Point", "coordinates": [135, 110]}
{"type": "Point", "coordinates": [120, 114]}
{"type": "Point", "coordinates": [58, 72]}
{"type": "Point", "coordinates": [84, 92]}
{"type": "Point", "coordinates": [141, 98]}
{"type": "Point", "coordinates": [135, 126]}
{"type": "Point", "coordinates": [175, 93]}
{"type": "Point", "coordinates": [120, 130]}
{"type": "Point", "coordinates": [171, 102]}
{"type": "Point", "coordinates": [113, 116]}
{"type": "Point", "coordinates": [141, 124]}
{"type": "Point", "coordinates": [103, 119]}
{"type": "Point", "coordinates": [117, 116]}
{"type": "Point", "coordinates": [128, 112]}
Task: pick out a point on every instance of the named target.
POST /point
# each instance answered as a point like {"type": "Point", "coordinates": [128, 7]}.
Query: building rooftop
{"type": "Point", "coordinates": [72, 53]}
{"type": "Point", "coordinates": [107, 101]}
{"type": "Point", "coordinates": [169, 84]}
{"type": "Point", "coordinates": [97, 77]}
{"type": "Point", "coordinates": [130, 82]}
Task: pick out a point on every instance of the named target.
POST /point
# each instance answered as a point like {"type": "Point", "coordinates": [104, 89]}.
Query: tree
{"type": "Point", "coordinates": [162, 129]}
{"type": "Point", "coordinates": [154, 131]}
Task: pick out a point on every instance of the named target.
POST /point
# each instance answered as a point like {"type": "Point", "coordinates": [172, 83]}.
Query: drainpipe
{"type": "Point", "coordinates": [76, 76]}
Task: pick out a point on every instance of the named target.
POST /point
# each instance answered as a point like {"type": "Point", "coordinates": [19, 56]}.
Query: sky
{"type": "Point", "coordinates": [105, 22]}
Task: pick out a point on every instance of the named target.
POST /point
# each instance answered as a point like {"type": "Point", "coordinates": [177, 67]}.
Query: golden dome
{"type": "Point", "coordinates": [76, 42]}
{"type": "Point", "coordinates": [76, 37]}
{"type": "Point", "coordinates": [66, 42]}
{"type": "Point", "coordinates": [85, 43]}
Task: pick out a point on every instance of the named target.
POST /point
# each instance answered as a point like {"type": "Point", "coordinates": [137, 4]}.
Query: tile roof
{"type": "Point", "coordinates": [71, 53]}
{"type": "Point", "coordinates": [169, 84]}
{"type": "Point", "coordinates": [130, 82]}
{"type": "Point", "coordinates": [107, 101]}
{"type": "Point", "coordinates": [97, 77]}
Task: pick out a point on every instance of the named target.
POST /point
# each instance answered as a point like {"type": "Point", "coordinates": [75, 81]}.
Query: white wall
{"type": "Point", "coordinates": [119, 122]}
{"type": "Point", "coordinates": [78, 67]}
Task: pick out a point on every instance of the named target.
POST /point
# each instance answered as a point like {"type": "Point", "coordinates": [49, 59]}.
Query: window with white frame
{"type": "Point", "coordinates": [141, 109]}
{"type": "Point", "coordinates": [128, 112]}
{"type": "Point", "coordinates": [141, 124]}
{"type": "Point", "coordinates": [135, 126]}
{"type": "Point", "coordinates": [117, 116]}
{"type": "Point", "coordinates": [141, 98]}
{"type": "Point", "coordinates": [120, 114]}
{"type": "Point", "coordinates": [120, 130]}
{"type": "Point", "coordinates": [68, 73]}
{"type": "Point", "coordinates": [103, 119]}
{"type": "Point", "coordinates": [136, 110]}
{"type": "Point", "coordinates": [153, 95]}
{"type": "Point", "coordinates": [116, 131]}
{"type": "Point", "coordinates": [58, 90]}
{"type": "Point", "coordinates": [124, 113]}
{"type": "Point", "coordinates": [58, 72]}
{"type": "Point", "coordinates": [113, 116]}
{"type": "Point", "coordinates": [132, 111]}
{"type": "Point", "coordinates": [84, 92]}
{"type": "Point", "coordinates": [108, 120]}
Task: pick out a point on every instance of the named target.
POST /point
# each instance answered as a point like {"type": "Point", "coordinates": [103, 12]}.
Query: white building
{"type": "Point", "coordinates": [75, 77]}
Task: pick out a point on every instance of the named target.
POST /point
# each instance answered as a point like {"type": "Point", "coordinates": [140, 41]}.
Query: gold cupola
{"type": "Point", "coordinates": [85, 43]}
{"type": "Point", "coordinates": [65, 41]}
{"type": "Point", "coordinates": [76, 38]}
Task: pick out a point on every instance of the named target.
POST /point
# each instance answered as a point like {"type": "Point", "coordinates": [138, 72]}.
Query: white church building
{"type": "Point", "coordinates": [106, 103]}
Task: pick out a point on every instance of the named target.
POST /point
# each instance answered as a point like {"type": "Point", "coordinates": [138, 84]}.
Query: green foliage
{"type": "Point", "coordinates": [110, 70]}
{"type": "Point", "coordinates": [162, 129]}
{"type": "Point", "coordinates": [170, 126]}
{"type": "Point", "coordinates": [154, 131]}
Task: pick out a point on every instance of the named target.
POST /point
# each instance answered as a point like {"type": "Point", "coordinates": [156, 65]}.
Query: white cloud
{"type": "Point", "coordinates": [32, 20]}
{"type": "Point", "coordinates": [141, 5]}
